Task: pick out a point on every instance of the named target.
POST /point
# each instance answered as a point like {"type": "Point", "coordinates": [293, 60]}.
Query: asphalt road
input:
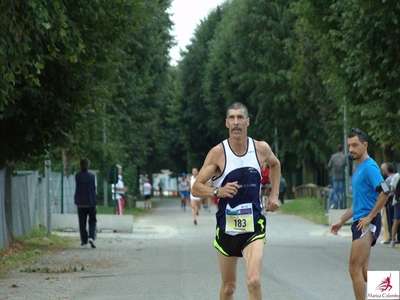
{"type": "Point", "coordinates": [174, 259]}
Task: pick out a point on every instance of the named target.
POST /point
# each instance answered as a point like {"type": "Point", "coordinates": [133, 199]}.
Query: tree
{"type": "Point", "coordinates": [358, 42]}
{"type": "Point", "coordinates": [195, 110]}
{"type": "Point", "coordinates": [34, 33]}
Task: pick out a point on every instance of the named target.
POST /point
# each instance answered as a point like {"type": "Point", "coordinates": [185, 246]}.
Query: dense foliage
{"type": "Point", "coordinates": [308, 72]}
{"type": "Point", "coordinates": [93, 78]}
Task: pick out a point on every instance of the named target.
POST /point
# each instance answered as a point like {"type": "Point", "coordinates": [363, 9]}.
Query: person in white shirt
{"type": "Point", "coordinates": [395, 189]}
{"type": "Point", "coordinates": [118, 192]}
{"type": "Point", "coordinates": [147, 188]}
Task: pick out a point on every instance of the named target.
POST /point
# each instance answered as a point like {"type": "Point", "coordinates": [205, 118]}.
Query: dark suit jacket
{"type": "Point", "coordinates": [85, 191]}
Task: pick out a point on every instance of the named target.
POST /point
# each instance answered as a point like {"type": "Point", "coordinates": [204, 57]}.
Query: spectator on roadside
{"type": "Point", "coordinates": [337, 164]}
{"type": "Point", "coordinates": [147, 188]}
{"type": "Point", "coordinates": [85, 199]}
{"type": "Point", "coordinates": [387, 170]}
{"type": "Point", "coordinates": [160, 189]}
{"type": "Point", "coordinates": [118, 191]}
{"type": "Point", "coordinates": [370, 193]}
{"type": "Point", "coordinates": [282, 189]}
{"type": "Point", "coordinates": [329, 202]}
{"type": "Point", "coordinates": [395, 187]}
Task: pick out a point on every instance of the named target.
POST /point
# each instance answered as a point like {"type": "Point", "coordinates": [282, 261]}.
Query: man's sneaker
{"type": "Point", "coordinates": [84, 245]}
{"type": "Point", "coordinates": [91, 242]}
{"type": "Point", "coordinates": [385, 242]}
{"type": "Point", "coordinates": [195, 222]}
{"type": "Point", "coordinates": [392, 243]}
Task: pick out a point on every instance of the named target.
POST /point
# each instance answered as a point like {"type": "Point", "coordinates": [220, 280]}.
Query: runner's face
{"type": "Point", "coordinates": [237, 123]}
{"type": "Point", "coordinates": [356, 148]}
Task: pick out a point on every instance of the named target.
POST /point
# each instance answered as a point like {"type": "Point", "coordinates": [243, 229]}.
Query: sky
{"type": "Point", "coordinates": [186, 15]}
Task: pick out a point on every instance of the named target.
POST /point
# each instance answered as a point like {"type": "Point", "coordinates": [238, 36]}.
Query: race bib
{"type": "Point", "coordinates": [239, 219]}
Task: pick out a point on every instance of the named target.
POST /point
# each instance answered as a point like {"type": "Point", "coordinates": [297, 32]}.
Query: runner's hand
{"type": "Point", "coordinates": [272, 204]}
{"type": "Point", "coordinates": [229, 190]}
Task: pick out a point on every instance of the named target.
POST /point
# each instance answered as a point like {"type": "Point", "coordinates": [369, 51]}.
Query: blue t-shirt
{"type": "Point", "coordinates": [365, 180]}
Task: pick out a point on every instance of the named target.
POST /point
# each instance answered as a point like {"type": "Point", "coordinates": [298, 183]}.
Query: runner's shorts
{"type": "Point", "coordinates": [185, 193]}
{"type": "Point", "coordinates": [375, 228]}
{"type": "Point", "coordinates": [233, 245]}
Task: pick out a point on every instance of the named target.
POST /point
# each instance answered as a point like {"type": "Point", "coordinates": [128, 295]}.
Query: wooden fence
{"type": "Point", "coordinates": [312, 190]}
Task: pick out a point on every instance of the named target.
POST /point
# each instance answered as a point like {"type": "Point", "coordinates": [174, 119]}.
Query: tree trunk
{"type": "Point", "coordinates": [66, 161]}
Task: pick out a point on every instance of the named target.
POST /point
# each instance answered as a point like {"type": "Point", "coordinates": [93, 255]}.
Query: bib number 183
{"type": "Point", "coordinates": [240, 223]}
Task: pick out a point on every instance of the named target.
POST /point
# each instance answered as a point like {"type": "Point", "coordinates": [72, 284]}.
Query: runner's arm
{"type": "Point", "coordinates": [208, 170]}
{"type": "Point", "coordinates": [200, 189]}
{"type": "Point", "coordinates": [275, 167]}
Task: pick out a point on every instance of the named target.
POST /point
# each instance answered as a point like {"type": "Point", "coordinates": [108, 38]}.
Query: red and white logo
{"type": "Point", "coordinates": [383, 285]}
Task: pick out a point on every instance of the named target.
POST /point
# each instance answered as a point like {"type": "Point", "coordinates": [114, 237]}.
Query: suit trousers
{"type": "Point", "coordinates": [87, 215]}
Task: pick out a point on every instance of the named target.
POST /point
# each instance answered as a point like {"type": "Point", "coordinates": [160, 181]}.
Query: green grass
{"type": "Point", "coordinates": [24, 250]}
{"type": "Point", "coordinates": [109, 210]}
{"type": "Point", "coordinates": [27, 249]}
{"type": "Point", "coordinates": [308, 208]}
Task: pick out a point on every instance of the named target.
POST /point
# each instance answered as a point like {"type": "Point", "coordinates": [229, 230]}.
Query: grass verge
{"type": "Point", "coordinates": [28, 248]}
{"type": "Point", "coordinates": [109, 210]}
{"type": "Point", "coordinates": [308, 208]}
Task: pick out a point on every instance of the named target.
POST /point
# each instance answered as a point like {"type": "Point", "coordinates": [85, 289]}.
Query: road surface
{"type": "Point", "coordinates": [168, 257]}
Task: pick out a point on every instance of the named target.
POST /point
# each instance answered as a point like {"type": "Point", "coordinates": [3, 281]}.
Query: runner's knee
{"type": "Point", "coordinates": [228, 288]}
{"type": "Point", "coordinates": [253, 283]}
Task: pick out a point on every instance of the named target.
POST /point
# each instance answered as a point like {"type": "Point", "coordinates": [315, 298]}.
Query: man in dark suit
{"type": "Point", "coordinates": [86, 201]}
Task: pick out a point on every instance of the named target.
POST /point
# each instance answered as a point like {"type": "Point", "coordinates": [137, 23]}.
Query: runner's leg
{"type": "Point", "coordinates": [227, 267]}
{"type": "Point", "coordinates": [253, 255]}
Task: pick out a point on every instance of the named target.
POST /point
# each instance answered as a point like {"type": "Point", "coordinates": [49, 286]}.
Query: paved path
{"type": "Point", "coordinates": [167, 257]}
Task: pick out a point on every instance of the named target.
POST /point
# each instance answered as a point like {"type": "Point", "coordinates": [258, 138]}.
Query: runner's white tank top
{"type": "Point", "coordinates": [246, 170]}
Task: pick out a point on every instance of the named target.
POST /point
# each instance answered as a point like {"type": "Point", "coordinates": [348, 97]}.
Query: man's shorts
{"type": "Point", "coordinates": [233, 245]}
{"type": "Point", "coordinates": [396, 209]}
{"type": "Point", "coordinates": [375, 227]}
{"type": "Point", "coordinates": [185, 194]}
{"type": "Point", "coordinates": [147, 197]}
{"type": "Point", "coordinates": [197, 199]}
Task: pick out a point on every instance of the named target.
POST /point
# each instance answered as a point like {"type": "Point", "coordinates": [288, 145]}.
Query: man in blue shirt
{"type": "Point", "coordinates": [370, 193]}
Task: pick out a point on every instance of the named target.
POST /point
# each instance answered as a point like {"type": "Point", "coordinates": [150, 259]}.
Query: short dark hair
{"type": "Point", "coordinates": [237, 105]}
{"type": "Point", "coordinates": [85, 162]}
{"type": "Point", "coordinates": [340, 148]}
{"type": "Point", "coordinates": [362, 136]}
{"type": "Point", "coordinates": [390, 167]}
